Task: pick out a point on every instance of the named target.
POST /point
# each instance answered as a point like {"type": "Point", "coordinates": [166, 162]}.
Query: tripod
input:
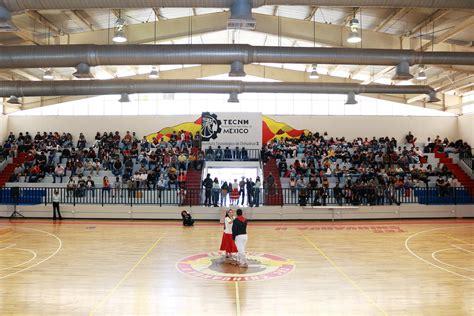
{"type": "Point", "coordinates": [15, 212]}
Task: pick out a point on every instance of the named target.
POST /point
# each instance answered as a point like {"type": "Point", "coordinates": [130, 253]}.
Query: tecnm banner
{"type": "Point", "coordinates": [231, 130]}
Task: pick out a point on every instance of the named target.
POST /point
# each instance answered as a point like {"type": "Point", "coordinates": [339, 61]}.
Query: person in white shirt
{"type": "Point", "coordinates": [56, 200]}
{"type": "Point", "coordinates": [227, 243]}
{"type": "Point", "coordinates": [256, 192]}
{"type": "Point", "coordinates": [58, 172]}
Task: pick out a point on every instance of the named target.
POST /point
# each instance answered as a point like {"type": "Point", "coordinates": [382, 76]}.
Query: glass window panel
{"type": "Point", "coordinates": [336, 107]}
{"type": "Point", "coordinates": [147, 107]}
{"type": "Point", "coordinates": [96, 107]}
{"type": "Point", "coordinates": [302, 107]}
{"type": "Point", "coordinates": [66, 109]}
{"type": "Point", "coordinates": [320, 107]}
{"type": "Point", "coordinates": [352, 109]}
{"type": "Point", "coordinates": [384, 108]}
{"type": "Point", "coordinates": [81, 108]}
{"type": "Point", "coordinates": [49, 110]}
{"type": "Point", "coordinates": [112, 107]}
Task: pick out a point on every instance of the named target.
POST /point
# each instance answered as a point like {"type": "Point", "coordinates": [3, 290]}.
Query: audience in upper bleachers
{"type": "Point", "coordinates": [366, 171]}
{"type": "Point", "coordinates": [138, 163]}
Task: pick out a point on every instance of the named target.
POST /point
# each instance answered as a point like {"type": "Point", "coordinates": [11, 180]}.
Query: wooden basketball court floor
{"type": "Point", "coordinates": [415, 267]}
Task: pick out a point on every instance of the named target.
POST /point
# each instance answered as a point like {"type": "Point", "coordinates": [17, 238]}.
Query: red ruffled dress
{"type": "Point", "coordinates": [227, 243]}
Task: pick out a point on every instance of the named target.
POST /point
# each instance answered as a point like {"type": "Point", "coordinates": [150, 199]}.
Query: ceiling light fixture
{"type": "Point", "coordinates": [421, 73]}
{"type": "Point", "coordinates": [48, 75]}
{"type": "Point", "coordinates": [314, 72]}
{"type": "Point", "coordinates": [154, 73]}
{"type": "Point", "coordinates": [351, 98]}
{"type": "Point", "coordinates": [14, 100]}
{"type": "Point", "coordinates": [119, 35]}
{"type": "Point", "coordinates": [233, 97]}
{"type": "Point", "coordinates": [354, 36]}
{"type": "Point", "coordinates": [124, 98]}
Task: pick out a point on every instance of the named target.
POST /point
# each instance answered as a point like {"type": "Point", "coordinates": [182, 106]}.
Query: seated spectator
{"type": "Point", "coordinates": [90, 186]}
{"type": "Point", "coordinates": [282, 167]}
{"type": "Point", "coordinates": [410, 139]}
{"type": "Point", "coordinates": [70, 186]}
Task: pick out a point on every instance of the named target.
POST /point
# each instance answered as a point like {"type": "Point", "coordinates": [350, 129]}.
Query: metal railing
{"type": "Point", "coordinates": [277, 197]}
{"type": "Point", "coordinates": [468, 159]}
{"type": "Point", "coordinates": [232, 154]}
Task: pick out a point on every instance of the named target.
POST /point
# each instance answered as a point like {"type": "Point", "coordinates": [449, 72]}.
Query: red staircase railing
{"type": "Point", "coordinates": [457, 171]}
{"type": "Point", "coordinates": [8, 171]}
{"type": "Point", "coordinates": [274, 197]}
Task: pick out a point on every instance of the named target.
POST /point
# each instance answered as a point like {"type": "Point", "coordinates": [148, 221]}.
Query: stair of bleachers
{"type": "Point", "coordinates": [457, 171]}
{"type": "Point", "coordinates": [8, 171]}
{"type": "Point", "coordinates": [193, 186]}
{"type": "Point", "coordinates": [272, 198]}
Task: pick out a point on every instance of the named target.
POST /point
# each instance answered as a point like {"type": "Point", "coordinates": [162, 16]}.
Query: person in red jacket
{"type": "Point", "coordinates": [239, 233]}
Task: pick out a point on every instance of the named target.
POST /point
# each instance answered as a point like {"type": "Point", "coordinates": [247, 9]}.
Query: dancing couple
{"type": "Point", "coordinates": [234, 239]}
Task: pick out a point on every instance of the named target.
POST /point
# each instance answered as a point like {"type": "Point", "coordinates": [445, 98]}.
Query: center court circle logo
{"type": "Point", "coordinates": [213, 266]}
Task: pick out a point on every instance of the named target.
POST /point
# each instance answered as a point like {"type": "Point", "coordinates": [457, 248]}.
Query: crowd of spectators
{"type": "Point", "coordinates": [133, 162]}
{"type": "Point", "coordinates": [368, 171]}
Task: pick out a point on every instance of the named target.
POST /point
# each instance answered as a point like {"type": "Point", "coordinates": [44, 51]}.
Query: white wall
{"type": "Point", "coordinates": [3, 127]}
{"type": "Point", "coordinates": [466, 128]}
{"type": "Point", "coordinates": [367, 126]}
{"type": "Point", "coordinates": [348, 126]}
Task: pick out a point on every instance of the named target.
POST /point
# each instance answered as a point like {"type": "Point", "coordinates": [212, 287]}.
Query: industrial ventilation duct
{"type": "Point", "coordinates": [23, 5]}
{"type": "Point", "coordinates": [86, 56]}
{"type": "Point", "coordinates": [106, 87]}
{"type": "Point", "coordinates": [241, 10]}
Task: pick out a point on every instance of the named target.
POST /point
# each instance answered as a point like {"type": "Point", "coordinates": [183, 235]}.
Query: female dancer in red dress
{"type": "Point", "coordinates": [228, 244]}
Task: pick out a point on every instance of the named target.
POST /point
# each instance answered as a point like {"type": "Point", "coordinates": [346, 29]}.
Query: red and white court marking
{"type": "Point", "coordinates": [212, 266]}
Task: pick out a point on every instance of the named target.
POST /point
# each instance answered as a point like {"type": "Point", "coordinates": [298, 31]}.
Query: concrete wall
{"type": "Point", "coordinates": [466, 128]}
{"type": "Point", "coordinates": [349, 126]}
{"type": "Point", "coordinates": [261, 213]}
{"type": "Point", "coordinates": [3, 127]}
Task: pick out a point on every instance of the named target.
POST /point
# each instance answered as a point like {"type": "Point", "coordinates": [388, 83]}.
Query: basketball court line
{"type": "Point", "coordinates": [433, 255]}
{"type": "Point", "coordinates": [23, 263]}
{"type": "Point", "coordinates": [428, 262]}
{"type": "Point", "coordinates": [125, 277]}
{"type": "Point", "coordinates": [257, 223]}
{"type": "Point", "coordinates": [457, 239]}
{"type": "Point", "coordinates": [345, 276]}
{"type": "Point", "coordinates": [461, 248]}
{"type": "Point", "coordinates": [40, 262]}
{"type": "Point", "coordinates": [237, 298]}
{"type": "Point", "coordinates": [10, 238]}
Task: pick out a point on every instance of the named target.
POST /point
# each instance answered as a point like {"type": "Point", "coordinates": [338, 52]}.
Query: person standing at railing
{"type": "Point", "coordinates": [215, 192]}
{"type": "Point", "coordinates": [56, 200]}
{"type": "Point", "coordinates": [242, 191]}
{"type": "Point", "coordinates": [337, 191]}
{"type": "Point", "coordinates": [245, 154]}
{"type": "Point", "coordinates": [59, 171]}
{"type": "Point", "coordinates": [207, 184]}
{"type": "Point", "coordinates": [90, 186]}
{"type": "Point", "coordinates": [256, 192]}
{"type": "Point", "coordinates": [224, 193]}
{"type": "Point", "coordinates": [105, 186]}
{"type": "Point", "coordinates": [250, 187]}
{"type": "Point", "coordinates": [117, 187]}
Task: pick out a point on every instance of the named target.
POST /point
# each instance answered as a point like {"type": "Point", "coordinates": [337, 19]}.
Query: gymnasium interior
{"type": "Point", "coordinates": [339, 133]}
